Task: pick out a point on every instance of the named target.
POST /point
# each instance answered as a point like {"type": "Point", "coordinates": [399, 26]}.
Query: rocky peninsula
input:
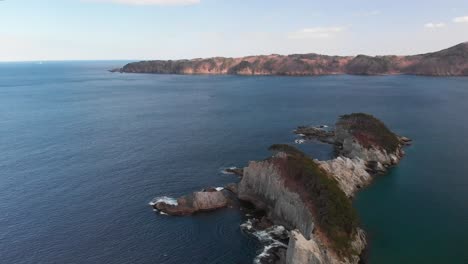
{"type": "Point", "coordinates": [449, 62]}
{"type": "Point", "coordinates": [305, 205]}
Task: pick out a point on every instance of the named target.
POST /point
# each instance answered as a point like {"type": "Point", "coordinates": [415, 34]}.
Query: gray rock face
{"type": "Point", "coordinates": [263, 186]}
{"type": "Point", "coordinates": [303, 251]}
{"type": "Point", "coordinates": [351, 174]}
{"type": "Point", "coordinates": [353, 150]}
{"type": "Point", "coordinates": [351, 168]}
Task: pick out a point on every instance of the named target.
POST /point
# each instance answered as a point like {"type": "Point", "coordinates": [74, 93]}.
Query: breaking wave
{"type": "Point", "coordinates": [270, 238]}
{"type": "Point", "coordinates": [164, 199]}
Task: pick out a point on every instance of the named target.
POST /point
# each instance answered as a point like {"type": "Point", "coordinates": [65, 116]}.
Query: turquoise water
{"type": "Point", "coordinates": [419, 212]}
{"type": "Point", "coordinates": [85, 150]}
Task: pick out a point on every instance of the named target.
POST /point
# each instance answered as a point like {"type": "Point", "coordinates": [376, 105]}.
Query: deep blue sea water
{"type": "Point", "coordinates": [83, 151]}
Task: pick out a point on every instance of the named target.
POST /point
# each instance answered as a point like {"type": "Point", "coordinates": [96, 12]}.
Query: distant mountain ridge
{"type": "Point", "coordinates": [449, 62]}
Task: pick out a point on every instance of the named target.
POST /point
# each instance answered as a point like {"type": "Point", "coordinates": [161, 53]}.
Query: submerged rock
{"type": "Point", "coordinates": [234, 170]}
{"type": "Point", "coordinates": [315, 132]}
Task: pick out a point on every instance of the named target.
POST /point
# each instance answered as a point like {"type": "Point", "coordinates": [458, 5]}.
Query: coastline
{"type": "Point", "coordinates": [448, 62]}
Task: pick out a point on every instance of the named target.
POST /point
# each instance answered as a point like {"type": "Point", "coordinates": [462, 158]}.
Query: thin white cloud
{"type": "Point", "coordinates": [150, 2]}
{"type": "Point", "coordinates": [463, 19]}
{"type": "Point", "coordinates": [434, 25]}
{"type": "Point", "coordinates": [316, 32]}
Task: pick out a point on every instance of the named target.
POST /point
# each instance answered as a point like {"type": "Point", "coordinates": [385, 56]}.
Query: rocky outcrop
{"type": "Point", "coordinates": [449, 62]}
{"type": "Point", "coordinates": [362, 136]}
{"type": "Point", "coordinates": [302, 250]}
{"type": "Point", "coordinates": [365, 147]}
{"type": "Point", "coordinates": [207, 200]}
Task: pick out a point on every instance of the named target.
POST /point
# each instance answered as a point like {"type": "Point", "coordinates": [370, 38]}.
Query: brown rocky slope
{"type": "Point", "coordinates": [449, 62]}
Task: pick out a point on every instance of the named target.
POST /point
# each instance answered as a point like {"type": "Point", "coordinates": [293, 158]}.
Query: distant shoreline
{"type": "Point", "coordinates": [449, 62]}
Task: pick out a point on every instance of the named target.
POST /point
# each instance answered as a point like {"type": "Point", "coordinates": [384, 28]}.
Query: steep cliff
{"type": "Point", "coordinates": [264, 186]}
{"type": "Point", "coordinates": [298, 194]}
{"type": "Point", "coordinates": [449, 62]}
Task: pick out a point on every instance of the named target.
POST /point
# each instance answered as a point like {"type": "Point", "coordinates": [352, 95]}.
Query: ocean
{"type": "Point", "coordinates": [83, 152]}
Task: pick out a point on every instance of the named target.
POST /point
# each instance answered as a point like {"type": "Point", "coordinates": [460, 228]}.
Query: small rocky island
{"type": "Point", "coordinates": [305, 205]}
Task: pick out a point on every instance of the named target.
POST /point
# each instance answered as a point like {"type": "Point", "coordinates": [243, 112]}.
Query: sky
{"type": "Point", "coordinates": [33, 30]}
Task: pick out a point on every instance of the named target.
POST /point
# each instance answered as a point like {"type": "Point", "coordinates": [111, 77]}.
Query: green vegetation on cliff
{"type": "Point", "coordinates": [369, 131]}
{"type": "Point", "coordinates": [336, 217]}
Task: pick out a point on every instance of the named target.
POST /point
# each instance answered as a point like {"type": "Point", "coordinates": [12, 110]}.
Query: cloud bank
{"type": "Point", "coordinates": [463, 19]}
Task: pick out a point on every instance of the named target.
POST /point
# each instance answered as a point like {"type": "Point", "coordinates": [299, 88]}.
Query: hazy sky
{"type": "Point", "coordinates": [173, 29]}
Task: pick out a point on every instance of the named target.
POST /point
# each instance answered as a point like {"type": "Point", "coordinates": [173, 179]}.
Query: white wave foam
{"type": "Point", "coordinates": [224, 170]}
{"type": "Point", "coordinates": [164, 199]}
{"type": "Point", "coordinates": [299, 141]}
{"type": "Point", "coordinates": [247, 225]}
{"type": "Point", "coordinates": [265, 253]}
{"type": "Point", "coordinates": [266, 237]}
{"type": "Point", "coordinates": [218, 189]}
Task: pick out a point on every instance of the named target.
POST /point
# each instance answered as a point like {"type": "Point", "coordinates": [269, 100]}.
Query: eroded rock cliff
{"type": "Point", "coordinates": [264, 186]}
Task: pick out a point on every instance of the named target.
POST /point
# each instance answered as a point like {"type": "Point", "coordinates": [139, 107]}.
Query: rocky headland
{"type": "Point", "coordinates": [306, 204]}
{"type": "Point", "coordinates": [449, 62]}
